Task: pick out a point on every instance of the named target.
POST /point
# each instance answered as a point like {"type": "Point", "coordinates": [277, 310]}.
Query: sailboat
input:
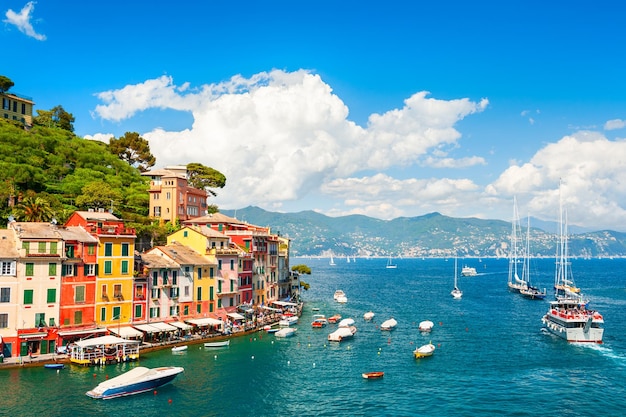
{"type": "Point", "coordinates": [515, 283]}
{"type": "Point", "coordinates": [332, 260]}
{"type": "Point", "coordinates": [456, 292]}
{"type": "Point", "coordinates": [530, 291]}
{"type": "Point", "coordinates": [568, 317]}
{"type": "Point", "coordinates": [390, 264]}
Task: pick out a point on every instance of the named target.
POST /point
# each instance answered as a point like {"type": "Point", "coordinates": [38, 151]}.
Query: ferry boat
{"type": "Point", "coordinates": [135, 381]}
{"type": "Point", "coordinates": [468, 271]}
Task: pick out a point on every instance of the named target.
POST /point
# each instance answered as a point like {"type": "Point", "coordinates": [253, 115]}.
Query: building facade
{"type": "Point", "coordinates": [18, 108]}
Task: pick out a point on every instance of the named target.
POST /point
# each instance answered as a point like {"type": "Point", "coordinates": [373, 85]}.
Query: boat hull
{"type": "Point", "coordinates": [217, 344]}
{"type": "Point", "coordinates": [372, 375]}
{"type": "Point", "coordinates": [573, 331]}
{"type": "Point", "coordinates": [109, 389]}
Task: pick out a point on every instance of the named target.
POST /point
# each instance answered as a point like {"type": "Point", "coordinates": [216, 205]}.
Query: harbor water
{"type": "Point", "coordinates": [491, 357]}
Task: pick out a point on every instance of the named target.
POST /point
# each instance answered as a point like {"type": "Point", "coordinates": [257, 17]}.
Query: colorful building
{"type": "Point", "coordinates": [115, 267]}
{"type": "Point", "coordinates": [9, 299]}
{"type": "Point", "coordinates": [17, 107]}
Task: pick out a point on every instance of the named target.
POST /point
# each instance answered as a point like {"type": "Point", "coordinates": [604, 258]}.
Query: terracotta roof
{"type": "Point", "coordinates": [215, 218]}
{"type": "Point", "coordinates": [184, 255]}
{"type": "Point", "coordinates": [36, 230]}
{"type": "Point", "coordinates": [156, 259]}
{"type": "Point", "coordinates": [76, 233]}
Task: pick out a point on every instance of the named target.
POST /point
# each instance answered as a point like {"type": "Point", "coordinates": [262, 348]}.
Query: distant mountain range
{"type": "Point", "coordinates": [431, 235]}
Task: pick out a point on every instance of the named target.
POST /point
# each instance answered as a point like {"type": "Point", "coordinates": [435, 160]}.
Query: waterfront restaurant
{"type": "Point", "coordinates": [103, 350]}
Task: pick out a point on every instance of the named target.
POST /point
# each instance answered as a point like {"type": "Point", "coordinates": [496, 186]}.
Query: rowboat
{"type": "Point", "coordinates": [54, 366]}
{"type": "Point", "coordinates": [389, 324]}
{"type": "Point", "coordinates": [424, 351]}
{"type": "Point", "coordinates": [373, 375]}
{"type": "Point", "coordinates": [223, 343]}
{"type": "Point", "coordinates": [176, 349]}
{"type": "Point", "coordinates": [425, 326]}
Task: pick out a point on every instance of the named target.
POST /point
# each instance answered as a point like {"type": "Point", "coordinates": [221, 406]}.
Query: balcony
{"type": "Point", "coordinates": [118, 296]}
{"type": "Point", "coordinates": [105, 297]}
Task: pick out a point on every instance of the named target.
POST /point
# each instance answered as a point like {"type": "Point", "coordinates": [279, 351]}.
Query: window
{"type": "Point", "coordinates": [26, 246]}
{"type": "Point", "coordinates": [199, 273]}
{"type": "Point", "coordinates": [155, 278]}
{"type": "Point", "coordinates": [4, 321]}
{"type": "Point", "coordinates": [124, 267]}
{"type": "Point", "coordinates": [174, 277]}
{"type": "Point", "coordinates": [211, 272]}
{"type": "Point", "coordinates": [103, 314]}
{"type": "Point", "coordinates": [125, 247]}
{"type": "Point", "coordinates": [117, 291]}
{"type": "Point", "coordinates": [155, 312]}
{"type": "Point", "coordinates": [41, 247]}
{"type": "Point", "coordinates": [186, 290]}
{"type": "Point", "coordinates": [156, 293]}
{"type": "Point", "coordinates": [219, 264]}
{"type": "Point", "coordinates": [28, 296]}
{"type": "Point", "coordinates": [138, 311]}
{"type": "Point", "coordinates": [91, 249]}
{"type": "Point", "coordinates": [79, 294]}
{"type": "Point", "coordinates": [51, 322]}
{"type": "Point", "coordinates": [40, 319]}
{"type": "Point", "coordinates": [30, 269]}
{"type": "Point", "coordinates": [52, 295]}
{"type": "Point", "coordinates": [199, 308]}
{"type": "Point", "coordinates": [78, 317]}
{"type": "Point", "coordinates": [186, 310]}
{"type": "Point", "coordinates": [168, 196]}
{"type": "Point", "coordinates": [117, 315]}
{"type": "Point", "coordinates": [211, 296]}
{"type": "Point", "coordinates": [232, 264]}
{"type": "Point", "coordinates": [7, 268]}
{"type": "Point", "coordinates": [186, 233]}
{"type": "Point", "coordinates": [52, 268]}
{"type": "Point", "coordinates": [199, 298]}
{"type": "Point", "coordinates": [108, 267]}
{"type": "Point", "coordinates": [53, 248]}
{"type": "Point", "coordinates": [157, 211]}
{"type": "Point", "coordinates": [67, 270]}
{"type": "Point", "coordinates": [139, 292]}
{"type": "Point", "coordinates": [5, 295]}
{"type": "Point", "coordinates": [90, 269]}
{"type": "Point", "coordinates": [108, 249]}
{"type": "Point", "coordinates": [164, 275]}
{"type": "Point", "coordinates": [69, 251]}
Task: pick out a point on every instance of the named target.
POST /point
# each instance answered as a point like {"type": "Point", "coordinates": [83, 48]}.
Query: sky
{"type": "Point", "coordinates": [385, 109]}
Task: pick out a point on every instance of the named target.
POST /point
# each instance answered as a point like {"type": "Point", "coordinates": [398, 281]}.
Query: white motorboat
{"type": "Point", "coordinates": [286, 332]}
{"type": "Point", "coordinates": [389, 324]}
{"type": "Point", "coordinates": [341, 334]}
{"type": "Point", "coordinates": [342, 299]}
{"type": "Point", "coordinates": [368, 316]}
{"type": "Point", "coordinates": [425, 326]}
{"type": "Point", "coordinates": [135, 381]}
{"type": "Point", "coordinates": [424, 351]}
{"type": "Point", "coordinates": [223, 343]}
{"type": "Point", "coordinates": [288, 321]}
{"type": "Point", "coordinates": [346, 322]}
{"type": "Point", "coordinates": [338, 293]}
{"type": "Point", "coordinates": [178, 349]}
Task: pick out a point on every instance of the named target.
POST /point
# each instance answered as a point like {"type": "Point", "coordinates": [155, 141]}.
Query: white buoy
{"type": "Point", "coordinates": [215, 357]}
{"type": "Point", "coordinates": [288, 362]}
{"type": "Point", "coordinates": [252, 357]}
{"type": "Point", "coordinates": [313, 364]}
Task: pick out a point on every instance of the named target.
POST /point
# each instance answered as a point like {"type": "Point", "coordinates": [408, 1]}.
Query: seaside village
{"type": "Point", "coordinates": [62, 287]}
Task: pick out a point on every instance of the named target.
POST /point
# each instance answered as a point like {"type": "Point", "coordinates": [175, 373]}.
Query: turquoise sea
{"type": "Point", "coordinates": [492, 357]}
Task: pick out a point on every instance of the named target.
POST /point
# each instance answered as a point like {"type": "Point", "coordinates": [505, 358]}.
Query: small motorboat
{"type": "Point", "coordinates": [223, 343]}
{"type": "Point", "coordinates": [286, 332]}
{"type": "Point", "coordinates": [135, 381]}
{"type": "Point", "coordinates": [341, 334]}
{"type": "Point", "coordinates": [338, 294]}
{"type": "Point", "coordinates": [315, 309]}
{"type": "Point", "coordinates": [373, 375]}
{"type": "Point", "coordinates": [389, 324]}
{"type": "Point", "coordinates": [319, 321]}
{"type": "Point", "coordinates": [424, 351]}
{"type": "Point", "coordinates": [178, 349]}
{"type": "Point", "coordinates": [425, 326]}
{"type": "Point", "coordinates": [368, 316]}
{"type": "Point", "coordinates": [342, 300]}
{"type": "Point", "coordinates": [54, 366]}
{"type": "Point", "coordinates": [346, 322]}
{"type": "Point", "coordinates": [334, 319]}
{"type": "Point", "coordinates": [288, 321]}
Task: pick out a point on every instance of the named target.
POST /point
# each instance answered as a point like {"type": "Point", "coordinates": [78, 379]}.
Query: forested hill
{"type": "Point", "coordinates": [57, 172]}
{"type": "Point", "coordinates": [433, 234]}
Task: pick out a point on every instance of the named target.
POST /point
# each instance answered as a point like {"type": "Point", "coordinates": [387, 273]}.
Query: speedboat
{"type": "Point", "coordinates": [425, 326]}
{"type": "Point", "coordinates": [223, 343]}
{"type": "Point", "coordinates": [286, 332]}
{"type": "Point", "coordinates": [339, 293]}
{"type": "Point", "coordinates": [334, 319]}
{"type": "Point", "coordinates": [288, 321]}
{"type": "Point", "coordinates": [341, 334]}
{"type": "Point", "coordinates": [178, 349]}
{"type": "Point", "coordinates": [135, 381]}
{"type": "Point", "coordinates": [368, 316]}
{"type": "Point", "coordinates": [319, 321]}
{"type": "Point", "coordinates": [424, 351]}
{"type": "Point", "coordinates": [389, 324]}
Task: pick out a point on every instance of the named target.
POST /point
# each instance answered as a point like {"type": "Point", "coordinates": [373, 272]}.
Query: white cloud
{"type": "Point", "coordinates": [100, 137]}
{"type": "Point", "coordinates": [594, 180]}
{"type": "Point", "coordinates": [22, 19]}
{"type": "Point", "coordinates": [278, 136]}
{"type": "Point", "coordinates": [615, 124]}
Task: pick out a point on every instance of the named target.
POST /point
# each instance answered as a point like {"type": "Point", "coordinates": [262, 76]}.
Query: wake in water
{"type": "Point", "coordinates": [603, 350]}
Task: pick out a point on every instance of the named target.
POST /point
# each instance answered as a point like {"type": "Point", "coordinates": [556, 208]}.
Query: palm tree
{"type": "Point", "coordinates": [34, 209]}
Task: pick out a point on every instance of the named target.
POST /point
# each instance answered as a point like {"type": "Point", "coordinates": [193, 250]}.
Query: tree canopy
{"type": "Point", "coordinates": [205, 178]}
{"type": "Point", "coordinates": [5, 84]}
{"type": "Point", "coordinates": [133, 149]}
{"type": "Point", "coordinates": [56, 117]}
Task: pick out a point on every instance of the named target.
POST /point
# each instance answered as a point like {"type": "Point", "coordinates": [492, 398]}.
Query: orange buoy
{"type": "Point", "coordinates": [155, 392]}
{"type": "Point", "coordinates": [94, 375]}
{"type": "Point", "coordinates": [169, 401]}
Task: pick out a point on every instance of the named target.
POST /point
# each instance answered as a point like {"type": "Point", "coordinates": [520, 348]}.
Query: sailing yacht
{"type": "Point", "coordinates": [390, 264]}
{"type": "Point", "coordinates": [515, 283]}
{"type": "Point", "coordinates": [456, 292]}
{"type": "Point", "coordinates": [332, 260]}
{"type": "Point", "coordinates": [530, 291]}
{"type": "Point", "coordinates": [568, 317]}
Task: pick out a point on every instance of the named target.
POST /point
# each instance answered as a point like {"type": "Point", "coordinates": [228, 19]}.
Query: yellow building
{"type": "Point", "coordinates": [115, 267]}
{"type": "Point", "coordinates": [17, 107]}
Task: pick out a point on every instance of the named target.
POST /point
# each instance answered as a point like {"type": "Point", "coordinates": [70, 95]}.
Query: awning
{"type": "Point", "coordinates": [181, 325]}
{"type": "Point", "coordinates": [33, 335]}
{"type": "Point", "coordinates": [126, 332]}
{"type": "Point", "coordinates": [83, 331]}
{"type": "Point", "coordinates": [270, 308]}
{"type": "Point", "coordinates": [206, 322]}
{"type": "Point", "coordinates": [164, 327]}
{"type": "Point", "coordinates": [284, 303]}
{"type": "Point", "coordinates": [104, 340]}
{"type": "Point", "coordinates": [236, 316]}
{"type": "Point", "coordinates": [148, 328]}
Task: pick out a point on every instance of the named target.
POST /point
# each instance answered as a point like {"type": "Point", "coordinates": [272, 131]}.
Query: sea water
{"type": "Point", "coordinates": [491, 358]}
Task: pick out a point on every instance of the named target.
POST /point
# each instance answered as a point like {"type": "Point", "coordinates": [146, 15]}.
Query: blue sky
{"type": "Point", "coordinates": [386, 109]}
